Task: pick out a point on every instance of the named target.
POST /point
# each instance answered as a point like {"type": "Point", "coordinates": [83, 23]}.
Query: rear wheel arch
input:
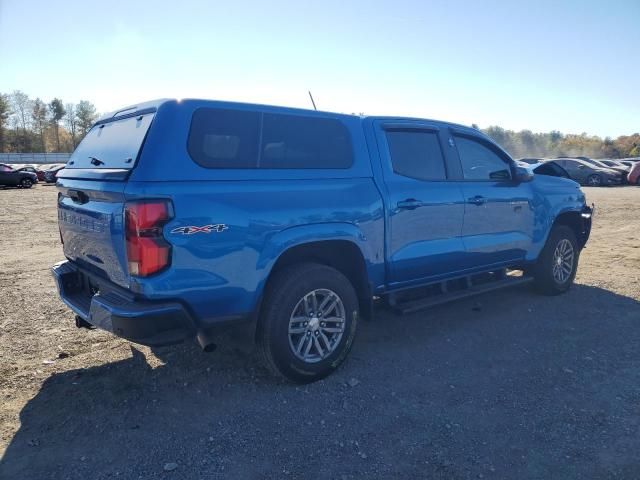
{"type": "Point", "coordinates": [343, 255]}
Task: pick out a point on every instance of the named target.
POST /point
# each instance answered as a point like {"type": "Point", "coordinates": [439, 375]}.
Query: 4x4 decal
{"type": "Point", "coordinates": [190, 230]}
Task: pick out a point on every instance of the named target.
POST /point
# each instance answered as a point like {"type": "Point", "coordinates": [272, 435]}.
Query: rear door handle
{"type": "Point", "coordinates": [478, 200]}
{"type": "Point", "coordinates": [409, 204]}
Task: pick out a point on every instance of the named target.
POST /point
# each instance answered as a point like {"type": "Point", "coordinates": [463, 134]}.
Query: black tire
{"type": "Point", "coordinates": [284, 293]}
{"type": "Point", "coordinates": [594, 180]}
{"type": "Point", "coordinates": [544, 279]}
{"type": "Point", "coordinates": [26, 183]}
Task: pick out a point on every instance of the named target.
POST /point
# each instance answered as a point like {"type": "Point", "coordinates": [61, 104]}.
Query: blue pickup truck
{"type": "Point", "coordinates": [181, 219]}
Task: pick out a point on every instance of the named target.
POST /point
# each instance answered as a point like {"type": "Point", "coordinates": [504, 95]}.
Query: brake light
{"type": "Point", "coordinates": [60, 229]}
{"type": "Point", "coordinates": [147, 250]}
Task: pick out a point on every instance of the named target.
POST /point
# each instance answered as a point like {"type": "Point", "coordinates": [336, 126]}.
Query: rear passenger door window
{"type": "Point", "coordinates": [480, 163]}
{"type": "Point", "coordinates": [416, 154]}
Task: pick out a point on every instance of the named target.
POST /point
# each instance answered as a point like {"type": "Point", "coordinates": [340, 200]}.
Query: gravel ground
{"type": "Point", "coordinates": [506, 385]}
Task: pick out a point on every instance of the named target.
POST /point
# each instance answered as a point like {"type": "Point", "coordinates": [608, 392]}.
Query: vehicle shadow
{"type": "Point", "coordinates": [222, 414]}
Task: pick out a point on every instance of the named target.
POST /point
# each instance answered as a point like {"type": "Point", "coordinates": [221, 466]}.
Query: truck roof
{"type": "Point", "coordinates": [155, 104]}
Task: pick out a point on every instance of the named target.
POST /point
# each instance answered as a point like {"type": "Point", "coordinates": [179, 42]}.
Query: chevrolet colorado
{"type": "Point", "coordinates": [180, 219]}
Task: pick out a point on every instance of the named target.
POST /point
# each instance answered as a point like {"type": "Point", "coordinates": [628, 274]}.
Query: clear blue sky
{"type": "Point", "coordinates": [568, 65]}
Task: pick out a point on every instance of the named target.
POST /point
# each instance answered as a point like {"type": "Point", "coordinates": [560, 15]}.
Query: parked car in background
{"type": "Point", "coordinates": [10, 177]}
{"type": "Point", "coordinates": [600, 164]}
{"type": "Point", "coordinates": [634, 175]}
{"type": "Point", "coordinates": [585, 173]}
{"type": "Point", "coordinates": [616, 165]}
{"type": "Point", "coordinates": [530, 161]}
{"type": "Point", "coordinates": [629, 162]}
{"type": "Point", "coordinates": [550, 168]}
{"type": "Point", "coordinates": [28, 168]}
{"type": "Point", "coordinates": [51, 175]}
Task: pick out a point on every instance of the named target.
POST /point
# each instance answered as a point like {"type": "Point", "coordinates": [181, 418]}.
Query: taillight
{"type": "Point", "coordinates": [60, 229]}
{"type": "Point", "coordinates": [147, 250]}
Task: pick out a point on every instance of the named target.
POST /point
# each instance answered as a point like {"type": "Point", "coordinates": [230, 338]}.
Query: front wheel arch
{"type": "Point", "coordinates": [544, 268]}
{"type": "Point", "coordinates": [580, 225]}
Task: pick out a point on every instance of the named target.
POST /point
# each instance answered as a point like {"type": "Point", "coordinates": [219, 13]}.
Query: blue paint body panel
{"type": "Point", "coordinates": [222, 274]}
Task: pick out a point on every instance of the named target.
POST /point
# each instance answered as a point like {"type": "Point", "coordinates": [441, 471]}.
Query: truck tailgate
{"type": "Point", "coordinates": [90, 216]}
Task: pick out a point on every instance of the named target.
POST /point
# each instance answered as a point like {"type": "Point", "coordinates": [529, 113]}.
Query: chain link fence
{"type": "Point", "coordinates": [34, 158]}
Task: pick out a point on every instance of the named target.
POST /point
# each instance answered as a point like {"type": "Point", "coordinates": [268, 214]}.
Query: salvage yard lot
{"type": "Point", "coordinates": [505, 385]}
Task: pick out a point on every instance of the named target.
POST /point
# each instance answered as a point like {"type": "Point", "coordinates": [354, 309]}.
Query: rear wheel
{"type": "Point", "coordinates": [557, 265]}
{"type": "Point", "coordinates": [594, 180]}
{"type": "Point", "coordinates": [26, 183]}
{"type": "Point", "coordinates": [308, 322]}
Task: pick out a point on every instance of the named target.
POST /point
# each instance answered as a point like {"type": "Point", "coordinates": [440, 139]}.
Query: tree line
{"type": "Point", "coordinates": [555, 144]}
{"type": "Point", "coordinates": [31, 125]}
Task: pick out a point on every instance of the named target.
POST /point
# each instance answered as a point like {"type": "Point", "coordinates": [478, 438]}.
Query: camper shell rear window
{"type": "Point", "coordinates": [112, 144]}
{"type": "Point", "coordinates": [229, 139]}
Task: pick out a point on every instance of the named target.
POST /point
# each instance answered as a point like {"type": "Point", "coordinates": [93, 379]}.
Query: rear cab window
{"type": "Point", "coordinates": [238, 139]}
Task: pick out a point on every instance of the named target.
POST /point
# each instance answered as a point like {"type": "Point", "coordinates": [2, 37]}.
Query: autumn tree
{"type": "Point", "coordinates": [39, 121]}
{"type": "Point", "coordinates": [20, 106]}
{"type": "Point", "coordinates": [57, 113]}
{"type": "Point", "coordinates": [86, 115]}
{"type": "Point", "coordinates": [71, 123]}
{"type": "Point", "coordinates": [5, 110]}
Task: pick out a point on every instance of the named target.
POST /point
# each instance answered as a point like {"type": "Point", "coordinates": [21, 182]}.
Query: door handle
{"type": "Point", "coordinates": [409, 204]}
{"type": "Point", "coordinates": [478, 200]}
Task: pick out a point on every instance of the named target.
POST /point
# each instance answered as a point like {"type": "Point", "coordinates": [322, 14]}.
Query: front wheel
{"type": "Point", "coordinates": [308, 322]}
{"type": "Point", "coordinates": [26, 183]}
{"type": "Point", "coordinates": [557, 265]}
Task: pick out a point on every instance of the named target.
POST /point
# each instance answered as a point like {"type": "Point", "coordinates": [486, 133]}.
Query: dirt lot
{"type": "Point", "coordinates": [507, 385]}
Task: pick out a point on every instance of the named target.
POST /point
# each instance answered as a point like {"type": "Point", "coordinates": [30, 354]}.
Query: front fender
{"type": "Point", "coordinates": [578, 208]}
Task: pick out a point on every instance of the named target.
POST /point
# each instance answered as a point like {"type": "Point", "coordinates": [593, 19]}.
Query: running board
{"type": "Point", "coordinates": [412, 306]}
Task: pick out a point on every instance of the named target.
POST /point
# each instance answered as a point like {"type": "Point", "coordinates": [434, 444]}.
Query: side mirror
{"type": "Point", "coordinates": [522, 174]}
{"type": "Point", "coordinates": [581, 167]}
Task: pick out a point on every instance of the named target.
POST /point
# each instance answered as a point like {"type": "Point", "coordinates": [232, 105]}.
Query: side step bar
{"type": "Point", "coordinates": [410, 306]}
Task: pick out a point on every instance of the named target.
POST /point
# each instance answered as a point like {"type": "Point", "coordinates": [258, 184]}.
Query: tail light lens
{"type": "Point", "coordinates": [147, 250]}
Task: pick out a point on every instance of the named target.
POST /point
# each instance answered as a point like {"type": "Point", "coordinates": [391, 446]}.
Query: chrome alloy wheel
{"type": "Point", "coordinates": [316, 325]}
{"type": "Point", "coordinates": [594, 180]}
{"type": "Point", "coordinates": [563, 258]}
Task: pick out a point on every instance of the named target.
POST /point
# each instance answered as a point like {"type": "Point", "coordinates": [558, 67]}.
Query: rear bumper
{"type": "Point", "coordinates": [105, 307]}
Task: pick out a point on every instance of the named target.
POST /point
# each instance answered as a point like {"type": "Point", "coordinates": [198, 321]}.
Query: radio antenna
{"type": "Point", "coordinates": [312, 102]}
